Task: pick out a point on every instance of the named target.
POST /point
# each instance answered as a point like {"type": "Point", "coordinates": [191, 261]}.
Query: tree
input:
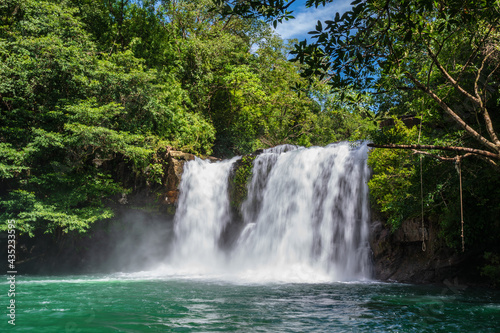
{"type": "Point", "coordinates": [411, 45]}
{"type": "Point", "coordinates": [89, 87]}
{"type": "Point", "coordinates": [71, 114]}
{"type": "Point", "coordinates": [236, 74]}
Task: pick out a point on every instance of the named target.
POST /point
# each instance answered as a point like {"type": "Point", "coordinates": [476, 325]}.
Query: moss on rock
{"type": "Point", "coordinates": [239, 177]}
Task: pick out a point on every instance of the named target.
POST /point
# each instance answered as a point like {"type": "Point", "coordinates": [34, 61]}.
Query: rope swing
{"type": "Point", "coordinates": [424, 247]}
{"type": "Point", "coordinates": [459, 168]}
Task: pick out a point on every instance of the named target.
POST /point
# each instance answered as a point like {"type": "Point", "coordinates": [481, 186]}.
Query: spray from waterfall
{"type": "Point", "coordinates": [305, 218]}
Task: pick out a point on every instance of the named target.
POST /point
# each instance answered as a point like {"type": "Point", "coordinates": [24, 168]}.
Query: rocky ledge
{"type": "Point", "coordinates": [414, 254]}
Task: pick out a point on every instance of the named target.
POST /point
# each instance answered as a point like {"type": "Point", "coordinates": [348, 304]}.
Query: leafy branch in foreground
{"type": "Point", "coordinates": [447, 50]}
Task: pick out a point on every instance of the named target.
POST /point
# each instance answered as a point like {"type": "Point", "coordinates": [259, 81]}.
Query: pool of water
{"type": "Point", "coordinates": [141, 302]}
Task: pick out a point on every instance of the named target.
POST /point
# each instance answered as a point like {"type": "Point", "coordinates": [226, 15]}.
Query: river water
{"type": "Point", "coordinates": [152, 302]}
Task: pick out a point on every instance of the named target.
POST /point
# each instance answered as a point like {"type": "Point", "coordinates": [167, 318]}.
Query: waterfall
{"type": "Point", "coordinates": [305, 217]}
{"type": "Point", "coordinates": [202, 214]}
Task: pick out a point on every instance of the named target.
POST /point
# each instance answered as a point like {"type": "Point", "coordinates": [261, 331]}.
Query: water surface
{"type": "Point", "coordinates": [144, 302]}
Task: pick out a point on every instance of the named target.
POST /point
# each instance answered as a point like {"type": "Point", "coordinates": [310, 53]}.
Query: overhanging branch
{"type": "Point", "coordinates": [452, 114]}
{"type": "Point", "coordinates": [445, 148]}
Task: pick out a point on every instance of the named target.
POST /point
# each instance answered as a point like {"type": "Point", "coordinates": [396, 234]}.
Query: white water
{"type": "Point", "coordinates": [305, 218]}
{"type": "Point", "coordinates": [202, 214]}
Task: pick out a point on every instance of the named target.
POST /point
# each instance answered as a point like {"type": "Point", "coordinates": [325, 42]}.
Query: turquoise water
{"type": "Point", "coordinates": [142, 303]}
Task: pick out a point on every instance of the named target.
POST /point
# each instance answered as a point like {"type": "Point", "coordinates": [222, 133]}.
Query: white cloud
{"type": "Point", "coordinates": [305, 20]}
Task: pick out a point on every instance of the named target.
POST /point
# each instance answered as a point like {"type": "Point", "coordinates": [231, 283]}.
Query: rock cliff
{"type": "Point", "coordinates": [175, 160]}
{"type": "Point", "coordinates": [415, 255]}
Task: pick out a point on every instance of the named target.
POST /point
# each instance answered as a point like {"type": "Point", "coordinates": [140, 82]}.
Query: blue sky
{"type": "Point", "coordinates": [306, 18]}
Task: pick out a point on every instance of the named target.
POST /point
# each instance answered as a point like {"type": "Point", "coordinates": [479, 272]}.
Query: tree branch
{"type": "Point", "coordinates": [440, 48]}
{"type": "Point", "coordinates": [454, 159]}
{"type": "Point", "coordinates": [476, 81]}
{"type": "Point", "coordinates": [441, 158]}
{"type": "Point", "coordinates": [452, 114]}
{"type": "Point", "coordinates": [453, 82]}
{"type": "Point", "coordinates": [486, 115]}
{"type": "Point", "coordinates": [489, 160]}
{"type": "Point", "coordinates": [473, 54]}
{"type": "Point", "coordinates": [432, 147]}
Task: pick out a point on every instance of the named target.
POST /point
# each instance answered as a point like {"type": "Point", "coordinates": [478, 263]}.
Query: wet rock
{"type": "Point", "coordinates": [180, 155]}
{"type": "Point", "coordinates": [175, 160]}
{"type": "Point", "coordinates": [411, 231]}
{"type": "Point", "coordinates": [401, 256]}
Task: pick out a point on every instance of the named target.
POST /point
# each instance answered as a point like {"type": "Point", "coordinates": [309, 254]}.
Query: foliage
{"type": "Point", "coordinates": [446, 51]}
{"type": "Point", "coordinates": [240, 177]}
{"type": "Point", "coordinates": [236, 74]}
{"type": "Point", "coordinates": [343, 117]}
{"type": "Point", "coordinates": [392, 186]}
{"type": "Point", "coordinates": [492, 269]}
{"type": "Point", "coordinates": [70, 113]}
{"type": "Point", "coordinates": [395, 188]}
{"type": "Point", "coordinates": [93, 91]}
{"type": "Point", "coordinates": [443, 51]}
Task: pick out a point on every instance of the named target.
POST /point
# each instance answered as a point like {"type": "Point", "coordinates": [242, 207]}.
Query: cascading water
{"type": "Point", "coordinates": [202, 214]}
{"type": "Point", "coordinates": [305, 218]}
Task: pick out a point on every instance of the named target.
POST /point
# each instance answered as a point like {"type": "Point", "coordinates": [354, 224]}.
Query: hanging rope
{"type": "Point", "coordinates": [461, 203]}
{"type": "Point", "coordinates": [424, 247]}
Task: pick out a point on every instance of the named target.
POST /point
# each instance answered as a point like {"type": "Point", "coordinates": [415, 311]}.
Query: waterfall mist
{"type": "Point", "coordinates": [305, 218]}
